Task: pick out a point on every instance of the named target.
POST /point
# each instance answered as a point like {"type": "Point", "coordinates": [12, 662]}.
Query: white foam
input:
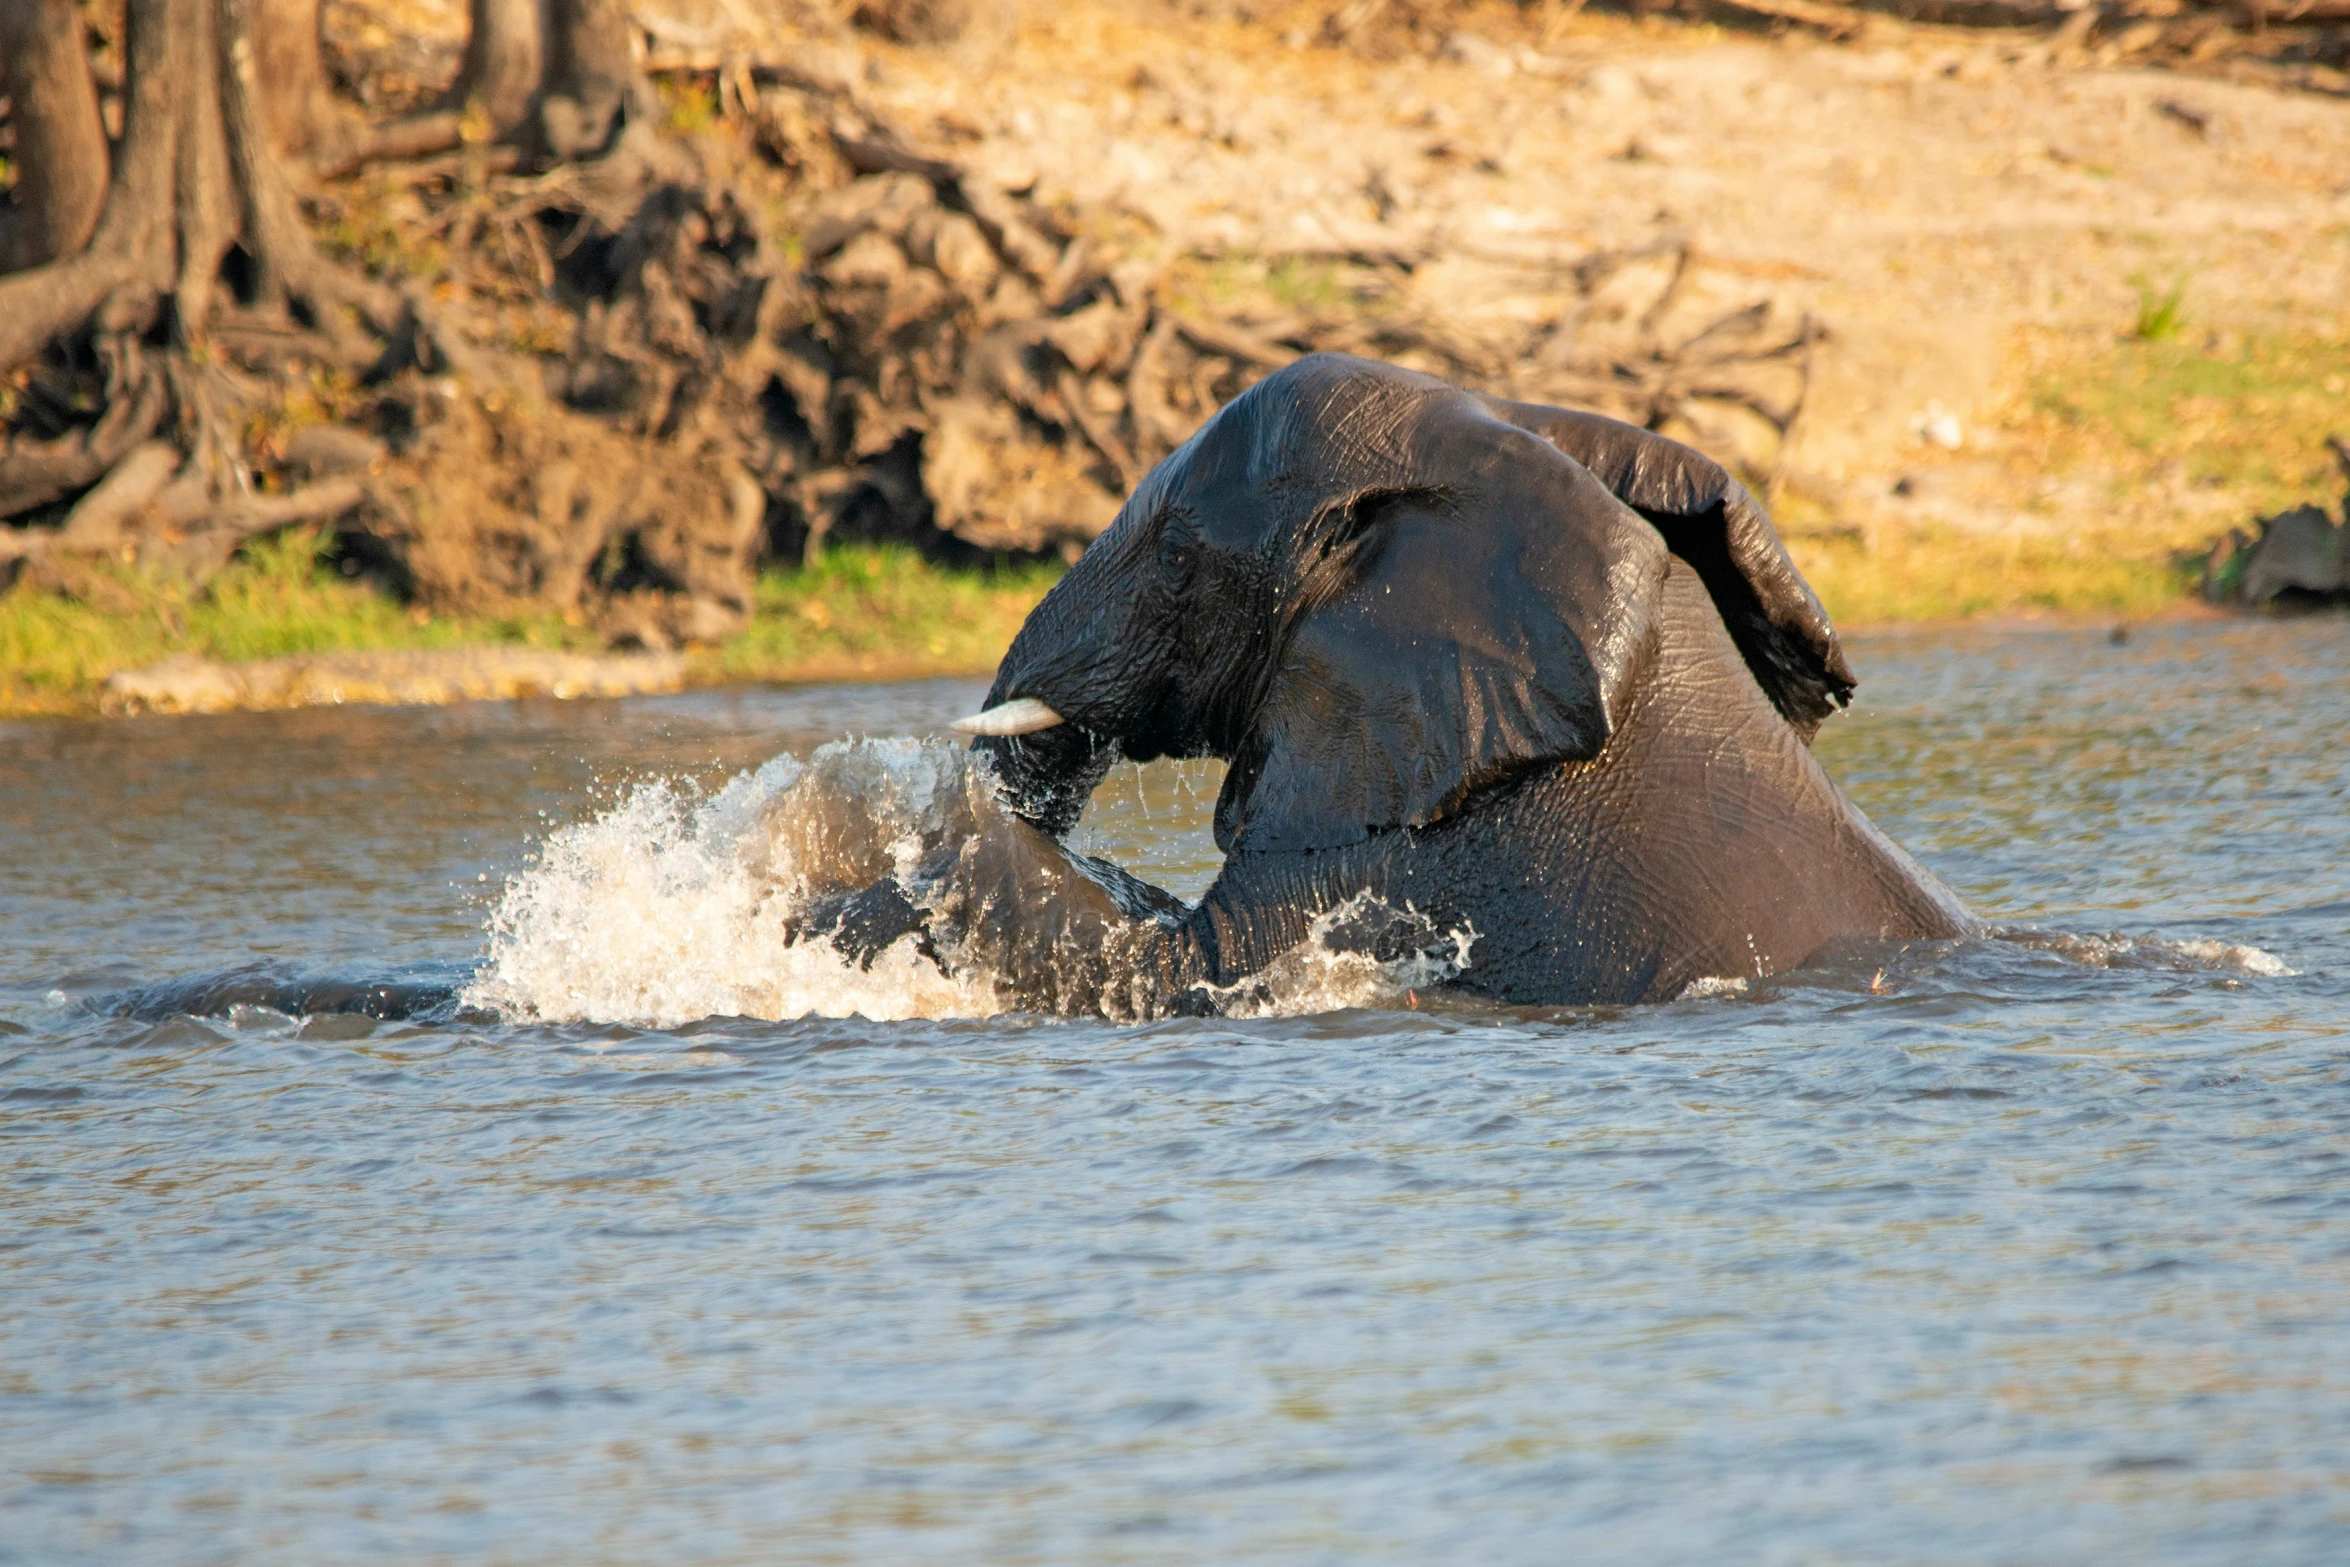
{"type": "Point", "coordinates": [1323, 974]}
{"type": "Point", "coordinates": [665, 909]}
{"type": "Point", "coordinates": [2234, 955]}
{"type": "Point", "coordinates": [670, 907]}
{"type": "Point", "coordinates": [2196, 955]}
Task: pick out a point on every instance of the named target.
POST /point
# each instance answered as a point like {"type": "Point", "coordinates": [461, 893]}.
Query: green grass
{"type": "Point", "coordinates": [273, 600]}
{"type": "Point", "coordinates": [2161, 312]}
{"type": "Point", "coordinates": [2182, 434]}
{"type": "Point", "coordinates": [370, 231]}
{"type": "Point", "coordinates": [1932, 574]}
{"type": "Point", "coordinates": [1220, 285]}
{"type": "Point", "coordinates": [2249, 412]}
{"type": "Point", "coordinates": [688, 107]}
{"type": "Point", "coordinates": [1308, 285]}
{"type": "Point", "coordinates": [862, 612]}
{"type": "Point", "coordinates": [877, 611]}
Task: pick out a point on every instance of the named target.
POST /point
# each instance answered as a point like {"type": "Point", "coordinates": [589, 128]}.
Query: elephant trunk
{"type": "Point", "coordinates": [1051, 930]}
{"type": "Point", "coordinates": [1083, 675]}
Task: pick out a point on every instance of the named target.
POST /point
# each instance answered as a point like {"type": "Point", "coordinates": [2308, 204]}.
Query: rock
{"type": "Point", "coordinates": [2299, 553]}
{"type": "Point", "coordinates": [186, 684]}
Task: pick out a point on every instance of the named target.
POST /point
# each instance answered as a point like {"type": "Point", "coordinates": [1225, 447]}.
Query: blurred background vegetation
{"type": "Point", "coordinates": [811, 338]}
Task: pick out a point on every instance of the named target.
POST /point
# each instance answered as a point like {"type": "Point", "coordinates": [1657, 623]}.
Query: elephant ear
{"type": "Point", "coordinates": [1710, 521]}
{"type": "Point", "coordinates": [1487, 616]}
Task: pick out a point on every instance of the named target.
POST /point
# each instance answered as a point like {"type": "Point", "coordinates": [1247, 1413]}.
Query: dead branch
{"type": "Point", "coordinates": [212, 538]}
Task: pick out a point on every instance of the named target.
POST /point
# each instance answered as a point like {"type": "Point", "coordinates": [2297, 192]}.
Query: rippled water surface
{"type": "Point", "coordinates": [2028, 1250]}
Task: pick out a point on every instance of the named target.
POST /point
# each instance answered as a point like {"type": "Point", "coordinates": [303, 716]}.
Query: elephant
{"type": "Point", "coordinates": [1479, 666]}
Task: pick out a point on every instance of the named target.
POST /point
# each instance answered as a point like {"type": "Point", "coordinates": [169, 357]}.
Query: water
{"type": "Point", "coordinates": [2034, 1249]}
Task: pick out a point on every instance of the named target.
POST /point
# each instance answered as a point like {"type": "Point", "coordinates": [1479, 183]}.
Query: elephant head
{"type": "Point", "coordinates": [1376, 595]}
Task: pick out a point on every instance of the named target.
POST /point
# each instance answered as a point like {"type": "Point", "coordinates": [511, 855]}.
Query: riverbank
{"type": "Point", "coordinates": [2090, 492]}
{"type": "Point", "coordinates": [861, 613]}
{"type": "Point", "coordinates": [868, 612]}
{"type": "Point", "coordinates": [2061, 322]}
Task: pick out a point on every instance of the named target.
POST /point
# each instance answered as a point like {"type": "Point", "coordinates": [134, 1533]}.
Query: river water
{"type": "Point", "coordinates": [2030, 1249]}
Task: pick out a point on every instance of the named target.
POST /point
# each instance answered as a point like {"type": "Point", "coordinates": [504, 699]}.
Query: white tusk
{"type": "Point", "coordinates": [1023, 715]}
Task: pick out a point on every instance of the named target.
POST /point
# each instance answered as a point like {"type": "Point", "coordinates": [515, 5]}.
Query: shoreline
{"type": "Point", "coordinates": [386, 679]}
{"type": "Point", "coordinates": [2053, 439]}
{"type": "Point", "coordinates": [185, 685]}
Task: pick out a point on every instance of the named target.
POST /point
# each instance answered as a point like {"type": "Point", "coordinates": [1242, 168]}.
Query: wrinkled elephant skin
{"type": "Point", "coordinates": [1529, 673]}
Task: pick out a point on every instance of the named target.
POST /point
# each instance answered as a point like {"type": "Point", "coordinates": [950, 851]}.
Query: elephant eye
{"type": "Point", "coordinates": [1177, 537]}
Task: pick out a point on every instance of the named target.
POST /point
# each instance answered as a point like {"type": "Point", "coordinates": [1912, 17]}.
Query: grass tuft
{"type": "Point", "coordinates": [273, 600]}
{"type": "Point", "coordinates": [2161, 313]}
{"type": "Point", "coordinates": [688, 107]}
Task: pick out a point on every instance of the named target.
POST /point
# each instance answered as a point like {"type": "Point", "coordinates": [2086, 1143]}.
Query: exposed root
{"type": "Point", "coordinates": [626, 385]}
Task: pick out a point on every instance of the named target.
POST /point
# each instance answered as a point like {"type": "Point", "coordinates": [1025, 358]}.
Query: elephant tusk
{"type": "Point", "coordinates": [1023, 715]}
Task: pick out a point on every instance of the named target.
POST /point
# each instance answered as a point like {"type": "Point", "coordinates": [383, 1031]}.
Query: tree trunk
{"type": "Point", "coordinates": [495, 97]}
{"type": "Point", "coordinates": [541, 76]}
{"type": "Point", "coordinates": [587, 74]}
{"type": "Point", "coordinates": [505, 55]}
{"type": "Point", "coordinates": [204, 206]}
{"type": "Point", "coordinates": [298, 111]}
{"type": "Point", "coordinates": [216, 93]}
{"type": "Point", "coordinates": [130, 256]}
{"type": "Point", "coordinates": [61, 161]}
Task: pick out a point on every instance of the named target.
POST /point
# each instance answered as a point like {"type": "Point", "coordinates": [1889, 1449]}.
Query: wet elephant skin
{"type": "Point", "coordinates": [1534, 675]}
{"type": "Point", "coordinates": [1704, 840]}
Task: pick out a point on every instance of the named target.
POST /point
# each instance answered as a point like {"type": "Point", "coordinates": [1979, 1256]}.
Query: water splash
{"type": "Point", "coordinates": [1363, 953]}
{"type": "Point", "coordinates": [670, 907]}
{"type": "Point", "coordinates": [666, 909]}
{"type": "Point", "coordinates": [2117, 951]}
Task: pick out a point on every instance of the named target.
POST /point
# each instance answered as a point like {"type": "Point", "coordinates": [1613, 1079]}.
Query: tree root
{"type": "Point", "coordinates": [941, 360]}
{"type": "Point", "coordinates": [38, 473]}
{"type": "Point", "coordinates": [126, 518]}
{"type": "Point", "coordinates": [212, 538]}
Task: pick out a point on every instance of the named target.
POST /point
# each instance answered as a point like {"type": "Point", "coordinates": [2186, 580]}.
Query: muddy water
{"type": "Point", "coordinates": [2032, 1249]}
